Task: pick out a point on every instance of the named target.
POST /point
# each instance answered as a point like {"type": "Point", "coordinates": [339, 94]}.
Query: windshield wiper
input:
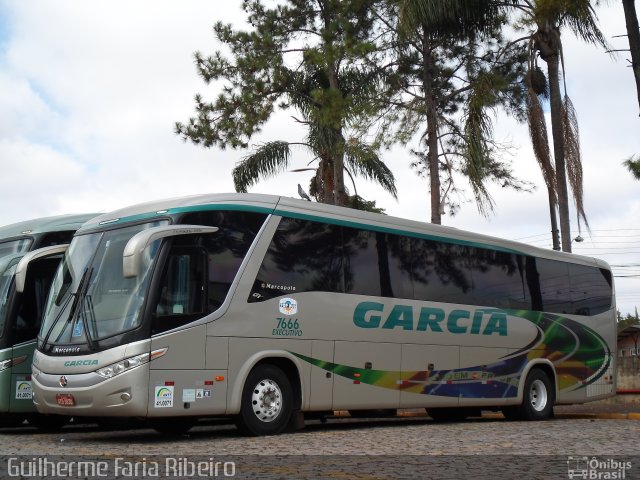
{"type": "Point", "coordinates": [84, 282]}
{"type": "Point", "coordinates": [87, 305]}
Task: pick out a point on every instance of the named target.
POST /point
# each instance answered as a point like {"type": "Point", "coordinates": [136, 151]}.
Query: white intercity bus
{"type": "Point", "coordinates": [266, 308]}
{"type": "Point", "coordinates": [40, 243]}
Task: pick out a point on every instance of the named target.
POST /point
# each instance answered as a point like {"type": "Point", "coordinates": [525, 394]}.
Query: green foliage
{"type": "Point", "coordinates": [305, 55]}
{"type": "Point", "coordinates": [359, 203]}
{"type": "Point", "coordinates": [627, 321]}
{"type": "Point", "coordinates": [633, 165]}
{"type": "Point", "coordinates": [444, 82]}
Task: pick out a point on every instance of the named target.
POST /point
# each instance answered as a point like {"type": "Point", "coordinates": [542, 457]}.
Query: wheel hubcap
{"type": "Point", "coordinates": [538, 395]}
{"type": "Point", "coordinates": [267, 400]}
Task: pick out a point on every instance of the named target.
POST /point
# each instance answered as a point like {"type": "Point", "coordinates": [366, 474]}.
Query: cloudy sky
{"type": "Point", "coordinates": [90, 91]}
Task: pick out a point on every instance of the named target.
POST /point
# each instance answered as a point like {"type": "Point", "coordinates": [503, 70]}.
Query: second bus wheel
{"type": "Point", "coordinates": [267, 401]}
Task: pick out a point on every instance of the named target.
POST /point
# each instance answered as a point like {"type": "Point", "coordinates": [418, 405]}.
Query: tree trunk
{"type": "Point", "coordinates": [633, 31]}
{"type": "Point", "coordinates": [433, 163]}
{"type": "Point", "coordinates": [554, 221]}
{"type": "Point", "coordinates": [340, 198]}
{"type": "Point", "coordinates": [548, 44]}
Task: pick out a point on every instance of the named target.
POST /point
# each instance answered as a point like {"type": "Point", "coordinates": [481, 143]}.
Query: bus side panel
{"type": "Point", "coordinates": [321, 382]}
{"type": "Point", "coordinates": [21, 385]}
{"type": "Point", "coordinates": [420, 365]}
{"type": "Point", "coordinates": [174, 393]}
{"type": "Point", "coordinates": [374, 379]}
{"type": "Point", "coordinates": [486, 388]}
{"type": "Point", "coordinates": [179, 383]}
{"type": "Point", "coordinates": [186, 349]}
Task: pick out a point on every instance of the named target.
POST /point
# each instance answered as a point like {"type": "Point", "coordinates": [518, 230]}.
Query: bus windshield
{"type": "Point", "coordinates": [90, 299]}
{"type": "Point", "coordinates": [11, 247]}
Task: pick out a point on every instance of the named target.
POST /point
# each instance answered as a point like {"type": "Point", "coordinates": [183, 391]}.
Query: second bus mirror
{"type": "Point", "coordinates": [23, 265]}
{"type": "Point", "coordinates": [134, 249]}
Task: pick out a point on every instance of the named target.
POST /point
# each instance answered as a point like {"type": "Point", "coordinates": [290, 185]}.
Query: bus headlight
{"type": "Point", "coordinates": [122, 366]}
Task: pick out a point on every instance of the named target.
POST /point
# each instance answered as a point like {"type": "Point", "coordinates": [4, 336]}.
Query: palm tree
{"type": "Point", "coordinates": [325, 140]}
{"type": "Point", "coordinates": [543, 20]}
{"type": "Point", "coordinates": [272, 158]}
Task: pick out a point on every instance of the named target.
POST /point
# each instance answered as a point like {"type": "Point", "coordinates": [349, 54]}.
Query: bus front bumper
{"type": "Point", "coordinates": [89, 394]}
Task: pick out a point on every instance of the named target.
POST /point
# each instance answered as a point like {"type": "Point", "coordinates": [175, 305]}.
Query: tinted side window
{"type": "Point", "coordinates": [441, 272]}
{"type": "Point", "coordinates": [590, 289]}
{"type": "Point", "coordinates": [376, 264]}
{"type": "Point", "coordinates": [554, 286]}
{"type": "Point", "coordinates": [303, 256]}
{"type": "Point", "coordinates": [226, 248]}
{"type": "Point", "coordinates": [498, 279]}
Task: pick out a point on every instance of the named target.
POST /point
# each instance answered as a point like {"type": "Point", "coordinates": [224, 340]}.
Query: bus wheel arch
{"type": "Point", "coordinates": [268, 399]}
{"type": "Point", "coordinates": [538, 395]}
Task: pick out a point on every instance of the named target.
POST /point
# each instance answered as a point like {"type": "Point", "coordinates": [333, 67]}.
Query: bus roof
{"type": "Point", "coordinates": [44, 225]}
{"type": "Point", "coordinates": [278, 205]}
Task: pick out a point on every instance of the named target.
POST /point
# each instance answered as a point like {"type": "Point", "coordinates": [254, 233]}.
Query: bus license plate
{"type": "Point", "coordinates": [65, 399]}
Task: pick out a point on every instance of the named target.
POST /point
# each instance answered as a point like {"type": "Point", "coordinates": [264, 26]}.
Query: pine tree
{"type": "Point", "coordinates": [301, 55]}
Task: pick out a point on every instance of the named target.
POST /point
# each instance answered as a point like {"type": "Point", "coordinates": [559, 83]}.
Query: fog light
{"type": "Point", "coordinates": [125, 397]}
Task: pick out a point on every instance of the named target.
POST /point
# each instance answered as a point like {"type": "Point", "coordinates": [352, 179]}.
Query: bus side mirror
{"type": "Point", "coordinates": [23, 265]}
{"type": "Point", "coordinates": [133, 250]}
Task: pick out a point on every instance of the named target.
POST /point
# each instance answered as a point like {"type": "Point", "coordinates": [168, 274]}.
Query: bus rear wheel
{"type": "Point", "coordinates": [267, 402]}
{"type": "Point", "coordinates": [538, 399]}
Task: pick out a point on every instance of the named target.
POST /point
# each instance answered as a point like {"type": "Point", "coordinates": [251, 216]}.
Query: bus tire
{"type": "Point", "coordinates": [538, 399]}
{"type": "Point", "coordinates": [267, 402]}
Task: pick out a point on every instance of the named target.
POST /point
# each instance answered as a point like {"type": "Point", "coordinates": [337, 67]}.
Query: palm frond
{"type": "Point", "coordinates": [580, 17]}
{"type": "Point", "coordinates": [572, 157]}
{"type": "Point", "coordinates": [451, 17]}
{"type": "Point", "coordinates": [478, 130]}
{"type": "Point", "coordinates": [540, 142]}
{"type": "Point", "coordinates": [268, 160]}
{"type": "Point", "coordinates": [363, 160]}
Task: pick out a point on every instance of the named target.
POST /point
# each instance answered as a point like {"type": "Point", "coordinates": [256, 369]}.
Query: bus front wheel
{"type": "Point", "coordinates": [538, 399]}
{"type": "Point", "coordinates": [267, 402]}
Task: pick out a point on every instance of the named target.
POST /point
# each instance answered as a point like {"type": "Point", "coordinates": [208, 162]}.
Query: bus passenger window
{"type": "Point", "coordinates": [376, 264]}
{"type": "Point", "coordinates": [498, 279]}
{"type": "Point", "coordinates": [441, 272]}
{"type": "Point", "coordinates": [304, 256]}
{"type": "Point", "coordinates": [554, 286]}
{"type": "Point", "coordinates": [591, 290]}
